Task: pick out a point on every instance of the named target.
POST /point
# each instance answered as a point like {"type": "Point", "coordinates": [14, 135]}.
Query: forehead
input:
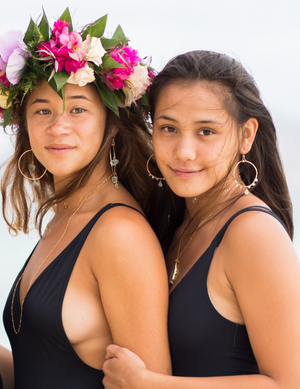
{"type": "Point", "coordinates": [192, 98]}
{"type": "Point", "coordinates": [45, 91]}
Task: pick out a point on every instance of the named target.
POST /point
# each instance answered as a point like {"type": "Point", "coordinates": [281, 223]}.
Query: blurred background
{"type": "Point", "coordinates": [263, 34]}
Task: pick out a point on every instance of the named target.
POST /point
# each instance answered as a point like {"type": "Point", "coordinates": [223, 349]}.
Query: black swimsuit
{"type": "Point", "coordinates": [203, 343]}
{"type": "Point", "coordinates": [43, 355]}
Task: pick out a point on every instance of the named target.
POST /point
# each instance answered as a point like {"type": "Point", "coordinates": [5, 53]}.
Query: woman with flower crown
{"type": "Point", "coordinates": [234, 317]}
{"type": "Point", "coordinates": [77, 104]}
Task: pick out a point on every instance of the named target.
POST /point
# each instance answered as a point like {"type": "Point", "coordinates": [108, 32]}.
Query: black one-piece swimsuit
{"type": "Point", "coordinates": [43, 355]}
{"type": "Point", "coordinates": [203, 343]}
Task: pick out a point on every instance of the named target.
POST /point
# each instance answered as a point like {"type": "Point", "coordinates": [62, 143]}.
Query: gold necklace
{"type": "Point", "coordinates": [80, 204]}
{"type": "Point", "coordinates": [175, 271]}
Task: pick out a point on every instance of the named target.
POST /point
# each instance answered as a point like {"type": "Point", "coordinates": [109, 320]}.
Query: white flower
{"type": "Point", "coordinates": [82, 76]}
{"type": "Point", "coordinates": [136, 84]}
{"type": "Point", "coordinates": [95, 52]}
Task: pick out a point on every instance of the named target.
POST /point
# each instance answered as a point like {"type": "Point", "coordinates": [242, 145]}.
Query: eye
{"type": "Point", "coordinates": [168, 129]}
{"type": "Point", "coordinates": [78, 110]}
{"type": "Point", "coordinates": [44, 112]}
{"type": "Point", "coordinates": [206, 132]}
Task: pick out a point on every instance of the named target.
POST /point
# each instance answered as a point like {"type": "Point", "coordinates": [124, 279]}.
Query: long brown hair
{"type": "Point", "coordinates": [242, 100]}
{"type": "Point", "coordinates": [133, 147]}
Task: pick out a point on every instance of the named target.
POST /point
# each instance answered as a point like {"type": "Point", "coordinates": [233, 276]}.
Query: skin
{"type": "Point", "coordinates": [195, 142]}
{"type": "Point", "coordinates": [121, 258]}
{"type": "Point", "coordinates": [6, 368]}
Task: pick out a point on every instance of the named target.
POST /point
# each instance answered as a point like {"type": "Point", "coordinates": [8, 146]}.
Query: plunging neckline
{"type": "Point", "coordinates": [103, 209]}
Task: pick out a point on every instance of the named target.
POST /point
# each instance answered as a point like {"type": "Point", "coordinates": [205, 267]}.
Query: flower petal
{"type": "Point", "coordinates": [10, 41]}
{"type": "Point", "coordinates": [15, 64]}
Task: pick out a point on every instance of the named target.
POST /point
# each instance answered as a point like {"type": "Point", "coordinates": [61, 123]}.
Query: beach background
{"type": "Point", "coordinates": [263, 34]}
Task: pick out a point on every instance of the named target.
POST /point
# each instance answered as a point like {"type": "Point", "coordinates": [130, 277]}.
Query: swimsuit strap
{"type": "Point", "coordinates": [259, 208]}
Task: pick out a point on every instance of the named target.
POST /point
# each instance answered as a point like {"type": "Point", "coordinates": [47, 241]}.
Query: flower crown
{"type": "Point", "coordinates": [65, 56]}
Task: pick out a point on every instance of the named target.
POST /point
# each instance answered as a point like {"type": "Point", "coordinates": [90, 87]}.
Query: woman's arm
{"type": "Point", "coordinates": [133, 286]}
{"type": "Point", "coordinates": [264, 273]}
{"type": "Point", "coordinates": [6, 368]}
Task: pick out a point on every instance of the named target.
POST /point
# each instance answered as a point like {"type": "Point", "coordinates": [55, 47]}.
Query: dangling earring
{"type": "Point", "coordinates": [113, 163]}
{"type": "Point", "coordinates": [151, 175]}
{"type": "Point", "coordinates": [254, 182]}
{"type": "Point", "coordinates": [31, 168]}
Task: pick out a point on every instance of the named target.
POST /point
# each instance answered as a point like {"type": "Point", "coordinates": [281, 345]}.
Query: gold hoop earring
{"type": "Point", "coordinates": [113, 164]}
{"type": "Point", "coordinates": [31, 168]}
{"type": "Point", "coordinates": [254, 182]}
{"type": "Point", "coordinates": [160, 179]}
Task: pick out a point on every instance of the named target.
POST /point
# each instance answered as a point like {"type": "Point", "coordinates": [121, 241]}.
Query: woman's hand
{"type": "Point", "coordinates": [122, 368]}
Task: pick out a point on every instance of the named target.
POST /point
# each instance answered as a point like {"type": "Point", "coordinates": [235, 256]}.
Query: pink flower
{"type": "Point", "coordinates": [13, 54]}
{"type": "Point", "coordinates": [77, 48]}
{"type": "Point", "coordinates": [4, 79]}
{"type": "Point", "coordinates": [128, 57]}
{"type": "Point", "coordinates": [60, 27]}
{"type": "Point", "coordinates": [113, 82]}
{"type": "Point", "coordinates": [66, 50]}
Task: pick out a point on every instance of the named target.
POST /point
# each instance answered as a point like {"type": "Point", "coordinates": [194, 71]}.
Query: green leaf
{"type": "Point", "coordinates": [60, 79]}
{"type": "Point", "coordinates": [63, 98]}
{"type": "Point", "coordinates": [96, 29]}
{"type": "Point", "coordinates": [119, 34]}
{"type": "Point", "coordinates": [145, 99]}
{"type": "Point", "coordinates": [110, 63]}
{"type": "Point", "coordinates": [120, 96]}
{"type": "Point", "coordinates": [10, 98]}
{"type": "Point", "coordinates": [7, 116]}
{"type": "Point", "coordinates": [108, 43]}
{"type": "Point", "coordinates": [108, 97]}
{"type": "Point", "coordinates": [29, 32]}
{"type": "Point", "coordinates": [67, 18]}
{"type": "Point", "coordinates": [44, 28]}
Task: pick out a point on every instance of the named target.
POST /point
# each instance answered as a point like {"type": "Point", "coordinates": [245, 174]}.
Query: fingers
{"type": "Point", "coordinates": [112, 351]}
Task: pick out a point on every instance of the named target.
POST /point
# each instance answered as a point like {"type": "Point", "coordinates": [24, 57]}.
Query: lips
{"type": "Point", "coordinates": [185, 173]}
{"type": "Point", "coordinates": [59, 148]}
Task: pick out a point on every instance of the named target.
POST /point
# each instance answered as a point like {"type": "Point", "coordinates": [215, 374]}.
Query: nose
{"type": "Point", "coordinates": [59, 125]}
{"type": "Point", "coordinates": [185, 149]}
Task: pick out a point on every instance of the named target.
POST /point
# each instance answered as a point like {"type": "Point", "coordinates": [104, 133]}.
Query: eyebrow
{"type": "Point", "coordinates": [36, 101]}
{"type": "Point", "coordinates": [196, 122]}
{"type": "Point", "coordinates": [40, 101]}
{"type": "Point", "coordinates": [78, 97]}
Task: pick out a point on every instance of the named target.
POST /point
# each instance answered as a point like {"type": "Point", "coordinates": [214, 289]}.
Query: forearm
{"type": "Point", "coordinates": [150, 380]}
{"type": "Point", "coordinates": [6, 368]}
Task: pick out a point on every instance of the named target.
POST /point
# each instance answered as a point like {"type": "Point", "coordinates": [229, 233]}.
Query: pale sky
{"type": "Point", "coordinates": [263, 34]}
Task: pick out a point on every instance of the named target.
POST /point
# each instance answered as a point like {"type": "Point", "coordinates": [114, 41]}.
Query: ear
{"type": "Point", "coordinates": [248, 135]}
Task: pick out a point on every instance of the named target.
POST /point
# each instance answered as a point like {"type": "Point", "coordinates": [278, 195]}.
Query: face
{"type": "Point", "coordinates": [65, 142]}
{"type": "Point", "coordinates": [194, 137]}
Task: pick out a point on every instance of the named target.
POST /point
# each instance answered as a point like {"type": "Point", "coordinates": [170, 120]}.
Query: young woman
{"type": "Point", "coordinates": [88, 281]}
{"type": "Point", "coordinates": [234, 318]}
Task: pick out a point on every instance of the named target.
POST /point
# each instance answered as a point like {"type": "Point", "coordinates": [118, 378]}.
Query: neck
{"type": "Point", "coordinates": [212, 201]}
{"type": "Point", "coordinates": [89, 190]}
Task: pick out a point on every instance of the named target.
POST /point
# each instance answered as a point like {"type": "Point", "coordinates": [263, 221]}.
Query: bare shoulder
{"type": "Point", "coordinates": [122, 237]}
{"type": "Point", "coordinates": [123, 224]}
{"type": "Point", "coordinates": [257, 240]}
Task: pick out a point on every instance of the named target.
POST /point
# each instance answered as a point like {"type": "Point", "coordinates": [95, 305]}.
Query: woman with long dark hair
{"type": "Point", "coordinates": [234, 318]}
{"type": "Point", "coordinates": [77, 103]}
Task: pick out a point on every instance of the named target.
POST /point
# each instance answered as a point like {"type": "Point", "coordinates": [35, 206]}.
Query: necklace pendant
{"type": "Point", "coordinates": [174, 274]}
